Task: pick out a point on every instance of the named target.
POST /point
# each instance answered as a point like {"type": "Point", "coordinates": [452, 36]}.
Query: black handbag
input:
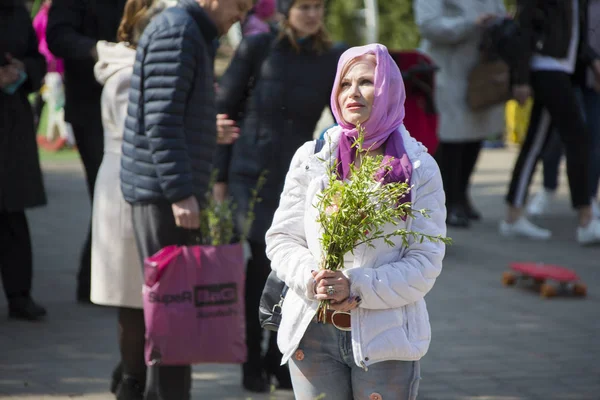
{"type": "Point", "coordinates": [273, 295]}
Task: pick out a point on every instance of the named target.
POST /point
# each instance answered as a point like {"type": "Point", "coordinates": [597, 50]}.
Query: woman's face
{"type": "Point", "coordinates": [306, 17]}
{"type": "Point", "coordinates": [357, 91]}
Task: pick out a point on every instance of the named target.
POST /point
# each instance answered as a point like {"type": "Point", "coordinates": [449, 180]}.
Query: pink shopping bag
{"type": "Point", "coordinates": [194, 305]}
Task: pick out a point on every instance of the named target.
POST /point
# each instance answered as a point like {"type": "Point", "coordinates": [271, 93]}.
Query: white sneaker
{"type": "Point", "coordinates": [589, 234]}
{"type": "Point", "coordinates": [522, 227]}
{"type": "Point", "coordinates": [540, 203]}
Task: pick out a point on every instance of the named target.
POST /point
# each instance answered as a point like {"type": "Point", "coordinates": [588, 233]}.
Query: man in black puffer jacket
{"type": "Point", "coordinates": [170, 133]}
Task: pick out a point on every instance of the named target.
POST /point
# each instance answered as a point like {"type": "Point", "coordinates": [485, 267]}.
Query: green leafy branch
{"type": "Point", "coordinates": [217, 225]}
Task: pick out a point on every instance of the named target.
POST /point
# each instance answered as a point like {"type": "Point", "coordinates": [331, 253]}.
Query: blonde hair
{"type": "Point", "coordinates": [322, 42]}
{"type": "Point", "coordinates": [136, 16]}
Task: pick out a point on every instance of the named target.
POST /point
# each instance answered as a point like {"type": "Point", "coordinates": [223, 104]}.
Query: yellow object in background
{"type": "Point", "coordinates": [517, 120]}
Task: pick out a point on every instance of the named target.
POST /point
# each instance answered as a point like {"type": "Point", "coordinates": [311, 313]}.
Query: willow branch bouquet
{"type": "Point", "coordinates": [355, 212]}
{"type": "Point", "coordinates": [217, 225]}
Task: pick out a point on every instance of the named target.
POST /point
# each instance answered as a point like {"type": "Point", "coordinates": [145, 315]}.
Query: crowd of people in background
{"type": "Point", "coordinates": [151, 121]}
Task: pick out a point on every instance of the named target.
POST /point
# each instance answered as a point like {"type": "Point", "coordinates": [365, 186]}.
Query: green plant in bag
{"type": "Point", "coordinates": [217, 219]}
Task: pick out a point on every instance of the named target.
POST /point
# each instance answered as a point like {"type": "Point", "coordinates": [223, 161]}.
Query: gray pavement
{"type": "Point", "coordinates": [489, 342]}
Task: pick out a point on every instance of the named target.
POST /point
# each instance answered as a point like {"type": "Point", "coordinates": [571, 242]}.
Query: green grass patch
{"type": "Point", "coordinates": [61, 155]}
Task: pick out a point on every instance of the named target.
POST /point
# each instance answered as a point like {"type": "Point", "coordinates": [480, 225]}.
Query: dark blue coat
{"type": "Point", "coordinates": [290, 91]}
{"type": "Point", "coordinates": [170, 129]}
{"type": "Point", "coordinates": [21, 184]}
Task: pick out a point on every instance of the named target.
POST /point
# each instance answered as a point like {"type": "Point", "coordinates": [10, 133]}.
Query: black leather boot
{"type": "Point", "coordinates": [273, 367]}
{"type": "Point", "coordinates": [25, 308]}
{"type": "Point", "coordinates": [472, 213]}
{"type": "Point", "coordinates": [117, 376]}
{"type": "Point", "coordinates": [457, 218]}
{"type": "Point", "coordinates": [254, 378]}
{"type": "Point", "coordinates": [282, 374]}
{"type": "Point", "coordinates": [130, 389]}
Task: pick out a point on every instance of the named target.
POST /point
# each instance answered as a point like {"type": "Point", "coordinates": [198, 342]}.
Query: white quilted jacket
{"type": "Point", "coordinates": [392, 322]}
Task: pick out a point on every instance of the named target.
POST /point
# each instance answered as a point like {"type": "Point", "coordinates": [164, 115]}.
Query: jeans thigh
{"type": "Point", "coordinates": [317, 369]}
{"type": "Point", "coordinates": [386, 380]}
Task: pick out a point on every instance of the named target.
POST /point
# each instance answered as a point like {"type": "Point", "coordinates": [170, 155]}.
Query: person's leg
{"type": "Point", "coordinates": [556, 92]}
{"type": "Point", "coordinates": [551, 156]}
{"type": "Point", "coordinates": [591, 102]}
{"type": "Point", "coordinates": [568, 118]}
{"type": "Point", "coordinates": [90, 145]}
{"type": "Point", "coordinates": [451, 169]}
{"type": "Point", "coordinates": [16, 266]}
{"type": "Point", "coordinates": [317, 367]}
{"type": "Point", "coordinates": [258, 269]}
{"type": "Point", "coordinates": [398, 380]}
{"type": "Point", "coordinates": [469, 161]}
{"type": "Point", "coordinates": [131, 346]}
{"type": "Point", "coordinates": [535, 140]}
{"type": "Point", "coordinates": [155, 228]}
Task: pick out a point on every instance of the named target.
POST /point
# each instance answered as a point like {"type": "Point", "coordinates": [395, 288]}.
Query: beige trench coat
{"type": "Point", "coordinates": [451, 38]}
{"type": "Point", "coordinates": [116, 266]}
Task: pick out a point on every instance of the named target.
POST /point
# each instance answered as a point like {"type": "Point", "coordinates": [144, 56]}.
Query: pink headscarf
{"type": "Point", "coordinates": [386, 117]}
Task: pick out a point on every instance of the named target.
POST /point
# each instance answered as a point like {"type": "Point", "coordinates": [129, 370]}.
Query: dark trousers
{"type": "Point", "coordinates": [16, 263]}
{"type": "Point", "coordinates": [555, 106]}
{"type": "Point", "coordinates": [155, 228]}
{"type": "Point", "coordinates": [259, 267]}
{"type": "Point", "coordinates": [89, 138]}
{"type": "Point", "coordinates": [552, 154]}
{"type": "Point", "coordinates": [457, 162]}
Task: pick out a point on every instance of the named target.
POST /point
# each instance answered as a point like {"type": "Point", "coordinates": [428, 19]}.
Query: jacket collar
{"type": "Point", "coordinates": [413, 148]}
{"type": "Point", "coordinates": [206, 25]}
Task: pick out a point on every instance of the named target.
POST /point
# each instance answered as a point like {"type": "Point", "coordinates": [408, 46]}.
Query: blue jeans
{"type": "Point", "coordinates": [324, 368]}
{"type": "Point", "coordinates": [590, 105]}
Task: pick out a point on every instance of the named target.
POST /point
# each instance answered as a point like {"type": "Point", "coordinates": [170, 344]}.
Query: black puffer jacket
{"type": "Point", "coordinates": [170, 129]}
{"type": "Point", "coordinates": [21, 183]}
{"type": "Point", "coordinates": [289, 95]}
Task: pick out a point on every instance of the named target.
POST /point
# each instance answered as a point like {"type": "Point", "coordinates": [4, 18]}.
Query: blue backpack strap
{"type": "Point", "coordinates": [319, 143]}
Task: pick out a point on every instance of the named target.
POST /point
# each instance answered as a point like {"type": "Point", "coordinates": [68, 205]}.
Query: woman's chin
{"type": "Point", "coordinates": [355, 118]}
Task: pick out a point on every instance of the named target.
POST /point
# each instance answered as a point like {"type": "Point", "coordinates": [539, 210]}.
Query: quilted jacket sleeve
{"type": "Point", "coordinates": [168, 77]}
{"type": "Point", "coordinates": [437, 27]}
{"type": "Point", "coordinates": [409, 279]}
{"type": "Point", "coordinates": [286, 239]}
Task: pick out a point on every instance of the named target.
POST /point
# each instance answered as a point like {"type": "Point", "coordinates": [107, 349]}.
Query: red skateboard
{"type": "Point", "coordinates": [566, 280]}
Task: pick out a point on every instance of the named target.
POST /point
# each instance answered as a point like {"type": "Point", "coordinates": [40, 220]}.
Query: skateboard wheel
{"type": "Point", "coordinates": [580, 289]}
{"type": "Point", "coordinates": [547, 290]}
{"type": "Point", "coordinates": [509, 279]}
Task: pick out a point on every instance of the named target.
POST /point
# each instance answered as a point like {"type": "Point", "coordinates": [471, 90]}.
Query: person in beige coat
{"type": "Point", "coordinates": [116, 271]}
{"type": "Point", "coordinates": [451, 32]}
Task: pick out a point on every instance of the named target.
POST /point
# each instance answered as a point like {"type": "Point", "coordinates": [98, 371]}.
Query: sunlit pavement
{"type": "Point", "coordinates": [489, 342]}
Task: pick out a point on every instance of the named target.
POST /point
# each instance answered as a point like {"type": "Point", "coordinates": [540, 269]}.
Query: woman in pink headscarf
{"type": "Point", "coordinates": [375, 353]}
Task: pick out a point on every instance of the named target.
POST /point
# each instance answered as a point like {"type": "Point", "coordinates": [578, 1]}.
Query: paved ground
{"type": "Point", "coordinates": [490, 342]}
